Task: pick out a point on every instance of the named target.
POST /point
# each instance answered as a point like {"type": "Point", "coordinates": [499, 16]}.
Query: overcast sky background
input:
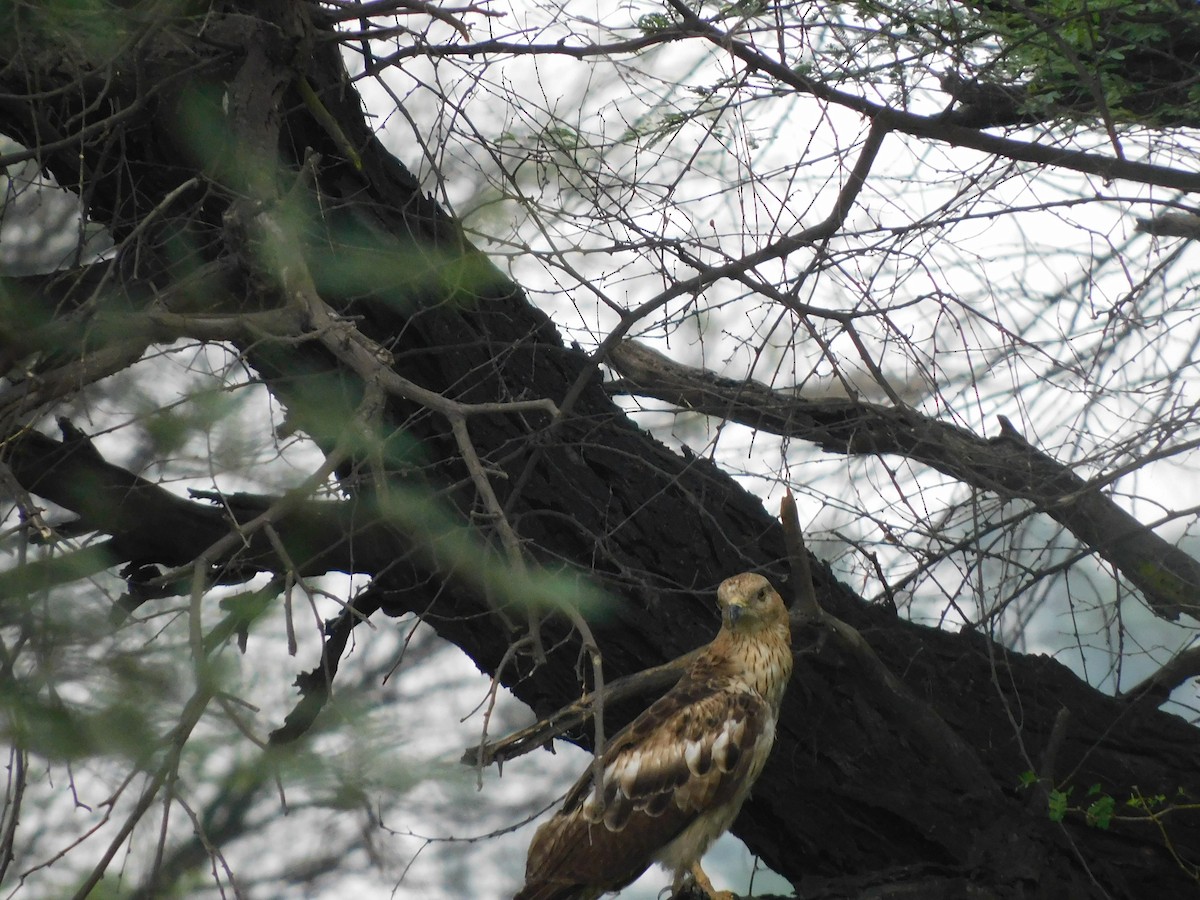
{"type": "Point", "coordinates": [740, 189]}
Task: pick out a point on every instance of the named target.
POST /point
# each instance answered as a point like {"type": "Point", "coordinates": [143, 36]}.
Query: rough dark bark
{"type": "Point", "coordinates": [849, 804]}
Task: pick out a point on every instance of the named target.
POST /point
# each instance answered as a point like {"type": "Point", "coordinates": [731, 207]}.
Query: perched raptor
{"type": "Point", "coordinates": [675, 778]}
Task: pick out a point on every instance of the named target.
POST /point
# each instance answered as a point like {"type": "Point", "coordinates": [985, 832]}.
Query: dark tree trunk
{"type": "Point", "coordinates": [855, 801]}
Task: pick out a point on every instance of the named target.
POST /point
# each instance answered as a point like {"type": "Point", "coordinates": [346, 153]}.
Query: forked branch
{"type": "Point", "coordinates": [1007, 464]}
{"type": "Point", "coordinates": [919, 720]}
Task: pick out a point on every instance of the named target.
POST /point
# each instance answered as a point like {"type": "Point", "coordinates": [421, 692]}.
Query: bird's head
{"type": "Point", "coordinates": [749, 603]}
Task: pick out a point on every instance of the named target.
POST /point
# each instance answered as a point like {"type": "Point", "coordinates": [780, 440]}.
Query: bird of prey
{"type": "Point", "coordinates": [674, 779]}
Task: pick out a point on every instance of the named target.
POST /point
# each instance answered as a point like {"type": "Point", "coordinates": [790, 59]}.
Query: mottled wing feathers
{"type": "Point", "coordinates": [684, 755]}
{"type": "Point", "coordinates": [674, 780]}
{"type": "Point", "coordinates": [681, 749]}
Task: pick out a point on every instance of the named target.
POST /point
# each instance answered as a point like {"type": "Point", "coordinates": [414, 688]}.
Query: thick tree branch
{"type": "Point", "coordinates": [1157, 688]}
{"type": "Point", "coordinates": [1007, 465]}
{"type": "Point", "coordinates": [848, 797]}
{"type": "Point", "coordinates": [150, 526]}
{"type": "Point", "coordinates": [1171, 224]}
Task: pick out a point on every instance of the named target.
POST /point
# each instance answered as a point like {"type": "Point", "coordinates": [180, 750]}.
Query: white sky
{"type": "Point", "coordinates": [773, 167]}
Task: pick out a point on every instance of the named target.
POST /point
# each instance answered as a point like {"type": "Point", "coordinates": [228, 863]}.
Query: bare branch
{"type": "Point", "coordinates": [936, 127]}
{"type": "Point", "coordinates": [366, 357]}
{"type": "Point", "coordinates": [913, 716]}
{"type": "Point", "coordinates": [1007, 464]}
{"type": "Point", "coordinates": [1157, 688]}
{"type": "Point", "coordinates": [654, 680]}
{"type": "Point", "coordinates": [805, 606]}
{"type": "Point", "coordinates": [1171, 224]}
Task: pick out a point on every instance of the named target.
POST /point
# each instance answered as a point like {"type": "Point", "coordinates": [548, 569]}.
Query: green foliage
{"type": "Point", "coordinates": [1149, 803]}
{"type": "Point", "coordinates": [1100, 811]}
{"type": "Point", "coordinates": [441, 537]}
{"type": "Point", "coordinates": [168, 429]}
{"type": "Point", "coordinates": [42, 722]}
{"type": "Point", "coordinates": [1165, 581]}
{"type": "Point", "coordinates": [744, 9]}
{"type": "Point", "coordinates": [1057, 804]}
{"type": "Point", "coordinates": [1112, 58]}
{"type": "Point", "coordinates": [1118, 62]}
{"type": "Point", "coordinates": [89, 25]}
{"type": "Point", "coordinates": [563, 138]}
{"type": "Point", "coordinates": [659, 125]}
{"type": "Point", "coordinates": [653, 23]}
{"type": "Point", "coordinates": [242, 611]}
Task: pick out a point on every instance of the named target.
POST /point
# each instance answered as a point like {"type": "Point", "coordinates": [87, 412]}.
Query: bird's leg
{"type": "Point", "coordinates": [694, 883]}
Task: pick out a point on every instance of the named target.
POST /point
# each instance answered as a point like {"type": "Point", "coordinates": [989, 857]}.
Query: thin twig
{"type": "Point", "coordinates": [510, 653]}
{"type": "Point", "coordinates": [933, 127]}
{"type": "Point", "coordinates": [367, 358]}
{"type": "Point", "coordinates": [192, 712]}
{"type": "Point", "coordinates": [18, 759]}
{"type": "Point", "coordinates": [1007, 465]}
{"type": "Point", "coordinates": [1049, 762]}
{"type": "Point", "coordinates": [293, 577]}
{"type": "Point", "coordinates": [214, 852]}
{"type": "Point", "coordinates": [131, 238]}
{"type": "Point", "coordinates": [659, 678]}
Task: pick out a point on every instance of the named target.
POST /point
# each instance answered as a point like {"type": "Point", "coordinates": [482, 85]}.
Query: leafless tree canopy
{"type": "Point", "coordinates": [320, 319]}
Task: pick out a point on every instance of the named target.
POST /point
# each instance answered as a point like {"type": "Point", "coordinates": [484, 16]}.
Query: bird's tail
{"type": "Point", "coordinates": [547, 891]}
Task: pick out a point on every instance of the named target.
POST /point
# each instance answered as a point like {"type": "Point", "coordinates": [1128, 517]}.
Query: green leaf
{"type": "Point", "coordinates": [1100, 813]}
{"type": "Point", "coordinates": [651, 23]}
{"type": "Point", "coordinates": [1057, 804]}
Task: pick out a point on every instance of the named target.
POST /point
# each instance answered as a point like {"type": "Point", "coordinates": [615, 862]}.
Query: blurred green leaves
{"type": "Point", "coordinates": [115, 711]}
{"type": "Point", "coordinates": [1127, 60]}
{"type": "Point", "coordinates": [456, 550]}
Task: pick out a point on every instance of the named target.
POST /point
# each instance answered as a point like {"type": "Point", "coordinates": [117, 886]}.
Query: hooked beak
{"type": "Point", "coordinates": [733, 612]}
